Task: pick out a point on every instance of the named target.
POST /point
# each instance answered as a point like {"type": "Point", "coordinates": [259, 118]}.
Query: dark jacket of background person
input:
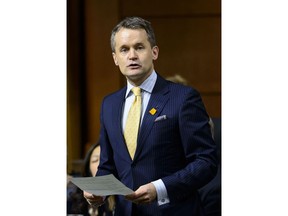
{"type": "Point", "coordinates": [211, 193]}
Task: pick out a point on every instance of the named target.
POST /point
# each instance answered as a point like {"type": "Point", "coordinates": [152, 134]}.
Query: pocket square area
{"type": "Point", "coordinates": [159, 118]}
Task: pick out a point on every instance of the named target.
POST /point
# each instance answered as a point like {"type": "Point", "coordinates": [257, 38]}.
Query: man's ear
{"type": "Point", "coordinates": [115, 59]}
{"type": "Point", "coordinates": [155, 52]}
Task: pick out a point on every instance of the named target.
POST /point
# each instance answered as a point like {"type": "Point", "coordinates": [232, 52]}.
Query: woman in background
{"type": "Point", "coordinates": [76, 203]}
{"type": "Point", "coordinates": [91, 163]}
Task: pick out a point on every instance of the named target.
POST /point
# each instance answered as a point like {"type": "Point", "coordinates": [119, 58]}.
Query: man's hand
{"type": "Point", "coordinates": [94, 200]}
{"type": "Point", "coordinates": [143, 195]}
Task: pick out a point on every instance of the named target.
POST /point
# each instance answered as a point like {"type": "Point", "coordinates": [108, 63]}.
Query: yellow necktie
{"type": "Point", "coordinates": [133, 122]}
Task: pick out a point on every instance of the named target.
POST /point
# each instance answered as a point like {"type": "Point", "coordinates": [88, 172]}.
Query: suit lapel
{"type": "Point", "coordinates": [117, 117]}
{"type": "Point", "coordinates": [158, 99]}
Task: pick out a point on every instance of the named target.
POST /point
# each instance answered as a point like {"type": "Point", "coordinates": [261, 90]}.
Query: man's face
{"type": "Point", "coordinates": [134, 55]}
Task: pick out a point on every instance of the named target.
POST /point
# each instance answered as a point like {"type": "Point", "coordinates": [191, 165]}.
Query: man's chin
{"type": "Point", "coordinates": [134, 75]}
{"type": "Point", "coordinates": [136, 79]}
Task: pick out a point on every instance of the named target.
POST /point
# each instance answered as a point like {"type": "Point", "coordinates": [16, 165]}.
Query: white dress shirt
{"type": "Point", "coordinates": [146, 90]}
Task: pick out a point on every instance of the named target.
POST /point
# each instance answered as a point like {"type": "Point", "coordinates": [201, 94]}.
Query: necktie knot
{"type": "Point", "coordinates": [136, 91]}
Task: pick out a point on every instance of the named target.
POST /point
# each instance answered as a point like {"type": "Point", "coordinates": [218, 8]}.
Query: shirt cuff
{"type": "Point", "coordinates": [162, 196]}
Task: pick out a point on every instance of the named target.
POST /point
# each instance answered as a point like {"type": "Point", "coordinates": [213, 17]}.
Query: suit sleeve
{"type": "Point", "coordinates": [106, 165]}
{"type": "Point", "coordinates": [199, 149]}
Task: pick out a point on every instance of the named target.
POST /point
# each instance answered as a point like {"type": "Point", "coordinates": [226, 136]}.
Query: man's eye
{"type": "Point", "coordinates": [140, 48]}
{"type": "Point", "coordinates": [123, 50]}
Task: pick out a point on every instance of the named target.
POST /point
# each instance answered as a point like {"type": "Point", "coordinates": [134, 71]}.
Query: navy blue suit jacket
{"type": "Point", "coordinates": [178, 149]}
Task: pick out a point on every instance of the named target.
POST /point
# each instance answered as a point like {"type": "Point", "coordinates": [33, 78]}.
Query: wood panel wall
{"type": "Point", "coordinates": [188, 34]}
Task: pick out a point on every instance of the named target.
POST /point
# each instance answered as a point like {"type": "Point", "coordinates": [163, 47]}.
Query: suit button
{"type": "Point", "coordinates": [132, 164]}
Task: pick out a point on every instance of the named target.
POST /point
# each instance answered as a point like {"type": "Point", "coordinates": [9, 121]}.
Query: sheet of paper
{"type": "Point", "coordinates": [101, 185]}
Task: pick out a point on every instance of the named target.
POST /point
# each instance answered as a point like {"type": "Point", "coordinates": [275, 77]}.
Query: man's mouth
{"type": "Point", "coordinates": [134, 66]}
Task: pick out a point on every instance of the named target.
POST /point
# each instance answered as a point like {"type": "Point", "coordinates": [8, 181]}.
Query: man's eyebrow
{"type": "Point", "coordinates": [123, 46]}
{"type": "Point", "coordinates": [140, 43]}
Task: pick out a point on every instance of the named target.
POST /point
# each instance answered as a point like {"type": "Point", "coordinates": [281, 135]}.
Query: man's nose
{"type": "Point", "coordinates": [132, 54]}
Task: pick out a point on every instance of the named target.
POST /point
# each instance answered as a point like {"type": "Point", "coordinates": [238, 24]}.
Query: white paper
{"type": "Point", "coordinates": [102, 185]}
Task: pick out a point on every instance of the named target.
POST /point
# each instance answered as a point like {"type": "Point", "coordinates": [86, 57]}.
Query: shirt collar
{"type": "Point", "coordinates": [147, 85]}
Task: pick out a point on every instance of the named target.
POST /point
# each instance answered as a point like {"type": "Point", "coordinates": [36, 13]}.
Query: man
{"type": "Point", "coordinates": [174, 154]}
